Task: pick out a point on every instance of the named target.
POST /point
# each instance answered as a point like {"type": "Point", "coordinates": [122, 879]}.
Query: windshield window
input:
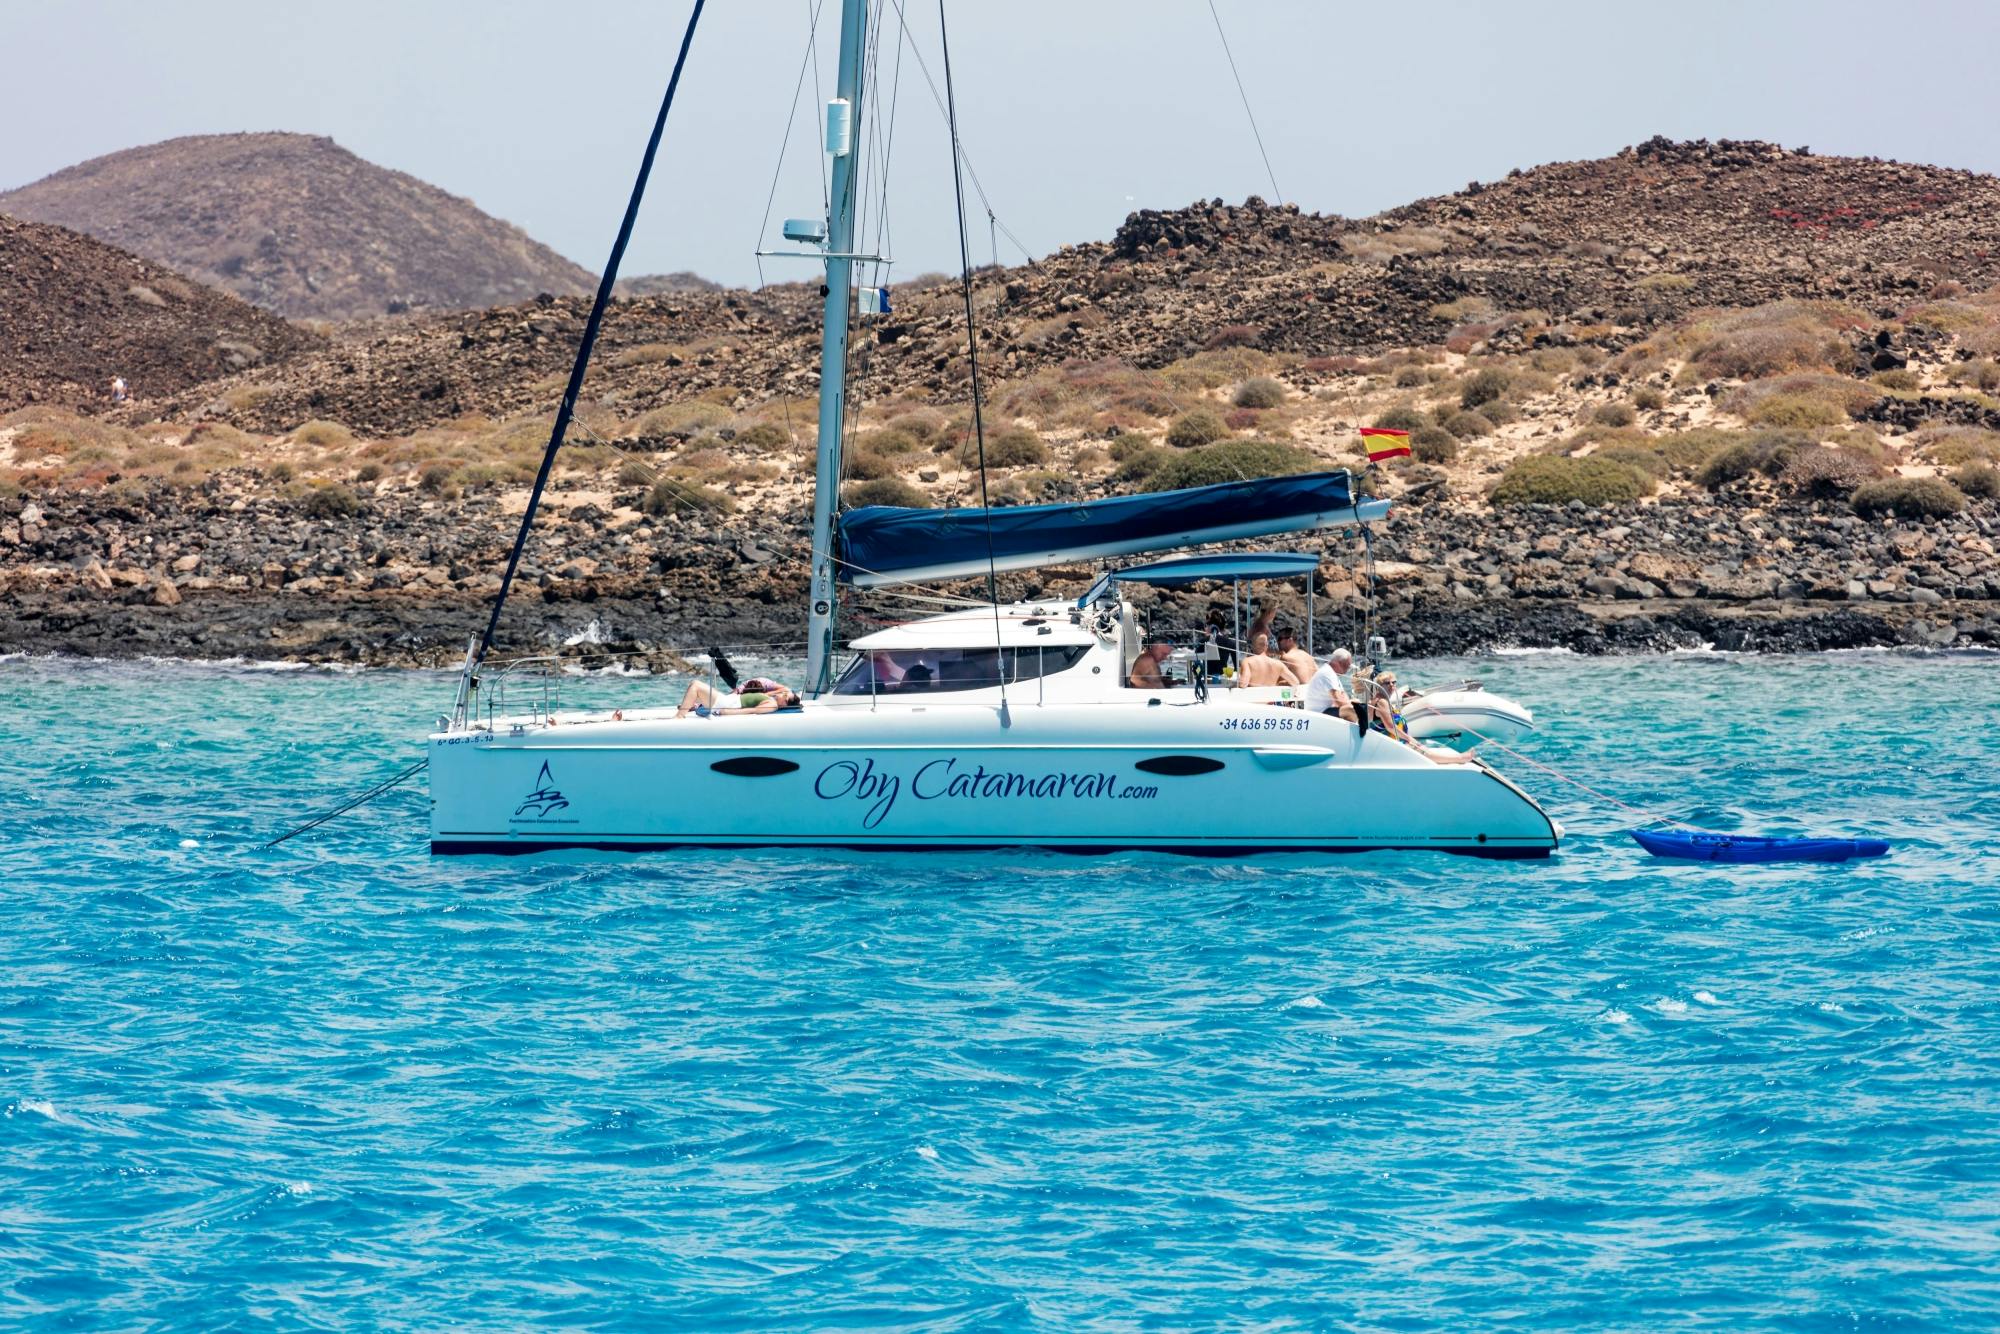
{"type": "Point", "coordinates": [937, 670]}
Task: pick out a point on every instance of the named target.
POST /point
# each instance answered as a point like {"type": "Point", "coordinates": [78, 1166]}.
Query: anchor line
{"type": "Point", "coordinates": [349, 805]}
{"type": "Point", "coordinates": [1560, 776]}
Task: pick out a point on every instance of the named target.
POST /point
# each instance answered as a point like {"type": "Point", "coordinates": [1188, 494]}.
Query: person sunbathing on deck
{"type": "Point", "coordinates": [1259, 668]}
{"type": "Point", "coordinates": [1390, 720]}
{"type": "Point", "coordinates": [758, 695]}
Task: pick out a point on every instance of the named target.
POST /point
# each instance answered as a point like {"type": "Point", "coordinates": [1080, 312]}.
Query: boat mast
{"type": "Point", "coordinates": [843, 120]}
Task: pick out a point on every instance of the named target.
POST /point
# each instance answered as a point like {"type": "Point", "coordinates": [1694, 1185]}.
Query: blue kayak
{"type": "Point", "coordinates": [1688, 844]}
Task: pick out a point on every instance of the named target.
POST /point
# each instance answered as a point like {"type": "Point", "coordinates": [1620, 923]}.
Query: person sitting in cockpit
{"type": "Point", "coordinates": [1146, 673]}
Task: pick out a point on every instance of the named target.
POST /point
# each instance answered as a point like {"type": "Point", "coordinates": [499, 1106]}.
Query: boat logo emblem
{"type": "Point", "coordinates": [545, 800]}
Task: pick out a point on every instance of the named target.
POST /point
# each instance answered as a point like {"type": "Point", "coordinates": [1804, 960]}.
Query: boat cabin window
{"type": "Point", "coordinates": [938, 670]}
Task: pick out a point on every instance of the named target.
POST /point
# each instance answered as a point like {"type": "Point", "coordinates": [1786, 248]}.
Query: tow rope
{"type": "Point", "coordinates": [349, 805]}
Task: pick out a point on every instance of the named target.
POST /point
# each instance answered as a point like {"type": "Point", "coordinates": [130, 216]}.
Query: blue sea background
{"type": "Point", "coordinates": [343, 1084]}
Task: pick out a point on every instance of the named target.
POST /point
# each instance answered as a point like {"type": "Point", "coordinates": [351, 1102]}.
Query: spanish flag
{"type": "Point", "coordinates": [1384, 444]}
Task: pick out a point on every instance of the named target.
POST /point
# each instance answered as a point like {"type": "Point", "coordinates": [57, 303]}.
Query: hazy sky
{"type": "Point", "coordinates": [1073, 112]}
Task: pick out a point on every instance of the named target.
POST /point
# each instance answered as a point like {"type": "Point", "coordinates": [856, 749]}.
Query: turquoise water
{"type": "Point", "coordinates": [344, 1085]}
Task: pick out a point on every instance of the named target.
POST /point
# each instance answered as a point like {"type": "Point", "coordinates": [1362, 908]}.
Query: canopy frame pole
{"type": "Point", "coordinates": [1312, 643]}
{"type": "Point", "coordinates": [1236, 630]}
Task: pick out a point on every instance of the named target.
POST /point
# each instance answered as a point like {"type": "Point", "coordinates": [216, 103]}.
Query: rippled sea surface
{"type": "Point", "coordinates": [342, 1084]}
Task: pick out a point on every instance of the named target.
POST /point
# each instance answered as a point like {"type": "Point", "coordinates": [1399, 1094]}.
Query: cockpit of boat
{"type": "Point", "coordinates": [978, 649]}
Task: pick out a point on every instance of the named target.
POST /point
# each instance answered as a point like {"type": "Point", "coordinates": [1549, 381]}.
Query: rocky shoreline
{"type": "Point", "coordinates": [213, 572]}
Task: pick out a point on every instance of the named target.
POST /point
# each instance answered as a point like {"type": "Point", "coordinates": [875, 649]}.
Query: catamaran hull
{"type": "Point", "coordinates": [1193, 779]}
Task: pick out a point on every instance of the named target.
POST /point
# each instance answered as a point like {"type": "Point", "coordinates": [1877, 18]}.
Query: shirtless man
{"type": "Point", "coordinates": [1301, 662]}
{"type": "Point", "coordinates": [1259, 668]}
{"type": "Point", "coordinates": [1146, 673]}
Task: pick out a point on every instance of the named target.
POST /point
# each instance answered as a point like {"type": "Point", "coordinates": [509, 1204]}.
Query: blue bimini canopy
{"type": "Point", "coordinates": [881, 544]}
{"type": "Point", "coordinates": [1184, 570]}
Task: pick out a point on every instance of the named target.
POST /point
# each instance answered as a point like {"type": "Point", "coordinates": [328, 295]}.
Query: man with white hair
{"type": "Point", "coordinates": [1326, 692]}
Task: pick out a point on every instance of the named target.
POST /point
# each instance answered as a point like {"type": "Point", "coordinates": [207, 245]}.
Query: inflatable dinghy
{"type": "Point", "coordinates": [1692, 846]}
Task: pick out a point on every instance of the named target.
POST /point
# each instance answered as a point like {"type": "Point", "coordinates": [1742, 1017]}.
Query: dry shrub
{"type": "Point", "coordinates": [1614, 415]}
{"type": "Point", "coordinates": [1648, 399]}
{"type": "Point", "coordinates": [1197, 428]}
{"type": "Point", "coordinates": [1463, 309]}
{"type": "Point", "coordinates": [1952, 446]}
{"type": "Point", "coordinates": [1402, 418]}
{"type": "Point", "coordinates": [1547, 479]}
{"type": "Point", "coordinates": [1140, 464]}
{"type": "Point", "coordinates": [671, 495]}
{"type": "Point", "coordinates": [1233, 335]}
{"type": "Point", "coordinates": [1901, 380]}
{"type": "Point", "coordinates": [892, 491]}
{"type": "Point", "coordinates": [1982, 373]}
{"type": "Point", "coordinates": [1467, 426]}
{"type": "Point", "coordinates": [682, 419]}
{"type": "Point", "coordinates": [1014, 447]}
{"type": "Point", "coordinates": [1433, 444]}
{"type": "Point", "coordinates": [323, 435]}
{"type": "Point", "coordinates": [1660, 283]}
{"type": "Point", "coordinates": [1909, 498]}
{"type": "Point", "coordinates": [1800, 402]}
{"type": "Point", "coordinates": [865, 465]}
{"type": "Point", "coordinates": [1483, 387]}
{"type": "Point", "coordinates": [1259, 392]}
{"type": "Point", "coordinates": [1826, 474]}
{"type": "Point", "coordinates": [1411, 377]}
{"type": "Point", "coordinates": [1381, 247]}
{"type": "Point", "coordinates": [1215, 368]}
{"type": "Point", "coordinates": [330, 502]}
{"type": "Point", "coordinates": [1771, 339]}
{"type": "Point", "coordinates": [1978, 479]}
{"type": "Point", "coordinates": [763, 436]}
{"type": "Point", "coordinates": [1228, 461]}
{"type": "Point", "coordinates": [1241, 419]}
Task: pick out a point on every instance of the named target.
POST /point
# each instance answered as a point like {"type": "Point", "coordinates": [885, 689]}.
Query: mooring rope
{"type": "Point", "coordinates": [1560, 776]}
{"type": "Point", "coordinates": [347, 806]}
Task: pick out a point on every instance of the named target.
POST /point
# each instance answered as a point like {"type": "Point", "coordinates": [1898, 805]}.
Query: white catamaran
{"type": "Point", "coordinates": [1007, 725]}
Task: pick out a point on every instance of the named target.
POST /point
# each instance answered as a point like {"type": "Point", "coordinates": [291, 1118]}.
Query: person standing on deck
{"type": "Point", "coordinates": [1261, 669]}
{"type": "Point", "coordinates": [1301, 662]}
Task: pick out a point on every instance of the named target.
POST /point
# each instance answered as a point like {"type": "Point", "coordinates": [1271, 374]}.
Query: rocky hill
{"type": "Point", "coordinates": [75, 312]}
{"type": "Point", "coordinates": [1629, 242]}
{"type": "Point", "coordinates": [298, 225]}
{"type": "Point", "coordinates": [1694, 393]}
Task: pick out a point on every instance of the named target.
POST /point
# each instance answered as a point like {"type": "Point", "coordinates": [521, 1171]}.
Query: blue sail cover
{"type": "Point", "coordinates": [882, 544]}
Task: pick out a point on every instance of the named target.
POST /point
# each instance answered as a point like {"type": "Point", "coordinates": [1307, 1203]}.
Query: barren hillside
{"type": "Point", "coordinates": [75, 312]}
{"type": "Point", "coordinates": [299, 225]}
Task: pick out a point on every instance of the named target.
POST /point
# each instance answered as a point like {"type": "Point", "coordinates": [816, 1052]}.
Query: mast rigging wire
{"type": "Point", "coordinates": [589, 341]}
{"type": "Point", "coordinates": [972, 355]}
{"type": "Point", "coordinates": [1255, 133]}
{"type": "Point", "coordinates": [791, 120]}
{"type": "Point", "coordinates": [971, 171]}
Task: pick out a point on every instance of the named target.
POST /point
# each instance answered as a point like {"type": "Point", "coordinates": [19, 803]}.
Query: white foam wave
{"type": "Point", "coordinates": [927, 1153]}
{"type": "Point", "coordinates": [298, 1188]}
{"type": "Point", "coordinates": [1513, 651]}
{"type": "Point", "coordinates": [1831, 1007]}
{"type": "Point", "coordinates": [1706, 998]}
{"type": "Point", "coordinates": [1669, 1005]}
{"type": "Point", "coordinates": [1614, 1015]}
{"type": "Point", "coordinates": [39, 1106]}
{"type": "Point", "coordinates": [1306, 1003]}
{"type": "Point", "coordinates": [190, 843]}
